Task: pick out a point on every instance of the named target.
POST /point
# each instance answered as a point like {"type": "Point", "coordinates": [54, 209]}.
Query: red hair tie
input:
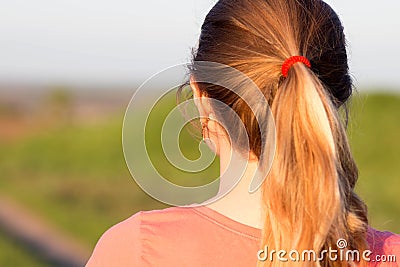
{"type": "Point", "coordinates": [291, 61]}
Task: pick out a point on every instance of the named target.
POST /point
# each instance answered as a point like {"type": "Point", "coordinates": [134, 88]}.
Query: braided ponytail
{"type": "Point", "coordinates": [308, 199]}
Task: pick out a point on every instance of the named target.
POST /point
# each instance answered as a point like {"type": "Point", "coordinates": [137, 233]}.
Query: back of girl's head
{"type": "Point", "coordinates": [308, 195]}
{"type": "Point", "coordinates": [256, 36]}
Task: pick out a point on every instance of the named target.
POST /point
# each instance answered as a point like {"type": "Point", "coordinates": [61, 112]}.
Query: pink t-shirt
{"type": "Point", "coordinates": [200, 236]}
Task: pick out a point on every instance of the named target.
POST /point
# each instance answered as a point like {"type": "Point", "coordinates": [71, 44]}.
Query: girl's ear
{"type": "Point", "coordinates": [202, 103]}
{"type": "Point", "coordinates": [195, 88]}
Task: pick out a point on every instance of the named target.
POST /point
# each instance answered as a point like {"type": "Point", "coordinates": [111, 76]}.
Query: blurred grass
{"type": "Point", "coordinates": [375, 138]}
{"type": "Point", "coordinates": [75, 176]}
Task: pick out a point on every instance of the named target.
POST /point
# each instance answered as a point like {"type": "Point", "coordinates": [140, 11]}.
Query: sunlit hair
{"type": "Point", "coordinates": [308, 197]}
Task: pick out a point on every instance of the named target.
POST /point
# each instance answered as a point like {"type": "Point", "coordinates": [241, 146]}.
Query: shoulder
{"type": "Point", "coordinates": [128, 242]}
{"type": "Point", "coordinates": [385, 245]}
{"type": "Point", "coordinates": [171, 227]}
{"type": "Point", "coordinates": [120, 245]}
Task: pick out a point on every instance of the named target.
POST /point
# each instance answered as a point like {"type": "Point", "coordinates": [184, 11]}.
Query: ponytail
{"type": "Point", "coordinates": [307, 196]}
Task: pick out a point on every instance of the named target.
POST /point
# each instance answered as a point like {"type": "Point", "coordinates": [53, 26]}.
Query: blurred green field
{"type": "Point", "coordinates": [75, 175]}
{"type": "Point", "coordinates": [375, 138]}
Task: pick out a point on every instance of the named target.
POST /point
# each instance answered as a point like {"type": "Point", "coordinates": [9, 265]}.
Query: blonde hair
{"type": "Point", "coordinates": [308, 197]}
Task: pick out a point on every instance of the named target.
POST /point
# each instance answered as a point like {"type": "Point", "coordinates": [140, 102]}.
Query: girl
{"type": "Point", "coordinates": [294, 51]}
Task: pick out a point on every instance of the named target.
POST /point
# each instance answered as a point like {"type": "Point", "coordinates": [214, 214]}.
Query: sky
{"type": "Point", "coordinates": [124, 42]}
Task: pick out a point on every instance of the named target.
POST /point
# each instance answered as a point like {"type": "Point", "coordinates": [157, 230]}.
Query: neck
{"type": "Point", "coordinates": [239, 204]}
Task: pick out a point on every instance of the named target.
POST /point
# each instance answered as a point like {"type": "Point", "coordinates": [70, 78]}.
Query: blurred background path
{"type": "Point", "coordinates": [39, 237]}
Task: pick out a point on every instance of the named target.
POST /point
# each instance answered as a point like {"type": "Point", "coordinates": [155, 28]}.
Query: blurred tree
{"type": "Point", "coordinates": [59, 106]}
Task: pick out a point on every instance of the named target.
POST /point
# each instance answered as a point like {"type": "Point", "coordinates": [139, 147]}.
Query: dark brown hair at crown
{"type": "Point", "coordinates": [308, 197]}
